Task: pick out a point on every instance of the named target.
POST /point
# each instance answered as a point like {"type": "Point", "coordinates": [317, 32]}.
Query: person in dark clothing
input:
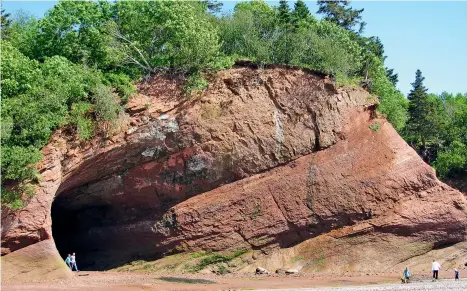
{"type": "Point", "coordinates": [435, 267]}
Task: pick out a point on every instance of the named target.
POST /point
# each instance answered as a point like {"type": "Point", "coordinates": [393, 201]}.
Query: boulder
{"type": "Point", "coordinates": [261, 271]}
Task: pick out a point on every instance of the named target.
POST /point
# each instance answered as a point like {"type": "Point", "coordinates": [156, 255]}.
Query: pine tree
{"type": "Point", "coordinates": [300, 12]}
{"type": "Point", "coordinates": [375, 46]}
{"type": "Point", "coordinates": [340, 13]}
{"type": "Point", "coordinates": [213, 6]}
{"type": "Point", "coordinates": [5, 22]}
{"type": "Point", "coordinates": [284, 12]}
{"type": "Point", "coordinates": [393, 77]}
{"type": "Point", "coordinates": [420, 109]}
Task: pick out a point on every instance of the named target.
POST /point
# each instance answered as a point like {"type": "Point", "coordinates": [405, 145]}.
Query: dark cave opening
{"type": "Point", "coordinates": [103, 236]}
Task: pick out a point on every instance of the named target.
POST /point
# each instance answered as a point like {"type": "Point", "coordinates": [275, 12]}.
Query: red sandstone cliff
{"type": "Point", "coordinates": [263, 159]}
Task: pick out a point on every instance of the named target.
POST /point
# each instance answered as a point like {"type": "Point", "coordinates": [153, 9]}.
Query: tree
{"type": "Point", "coordinates": [213, 6]}
{"type": "Point", "coordinates": [164, 35]}
{"type": "Point", "coordinates": [372, 47]}
{"type": "Point", "coordinates": [375, 46]}
{"type": "Point", "coordinates": [451, 159]}
{"type": "Point", "coordinates": [77, 30]}
{"type": "Point", "coordinates": [393, 77]}
{"type": "Point", "coordinates": [420, 126]}
{"type": "Point", "coordinates": [340, 13]}
{"type": "Point", "coordinates": [300, 12]}
{"type": "Point", "coordinates": [392, 103]}
{"type": "Point", "coordinates": [5, 22]}
{"type": "Point", "coordinates": [284, 12]}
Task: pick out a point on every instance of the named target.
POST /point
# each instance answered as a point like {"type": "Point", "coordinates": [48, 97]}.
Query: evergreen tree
{"type": "Point", "coordinates": [420, 126]}
{"type": "Point", "coordinates": [284, 12]}
{"type": "Point", "coordinates": [213, 6]}
{"type": "Point", "coordinates": [5, 23]}
{"type": "Point", "coordinates": [300, 12]}
{"type": "Point", "coordinates": [340, 13]}
{"type": "Point", "coordinates": [393, 77]}
{"type": "Point", "coordinates": [372, 46]}
{"type": "Point", "coordinates": [375, 46]}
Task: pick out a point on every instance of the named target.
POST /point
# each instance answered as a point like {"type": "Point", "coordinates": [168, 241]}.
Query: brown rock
{"type": "Point", "coordinates": [264, 159]}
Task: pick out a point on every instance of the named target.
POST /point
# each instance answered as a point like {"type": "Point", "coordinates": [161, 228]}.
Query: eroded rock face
{"type": "Point", "coordinates": [327, 190]}
{"type": "Point", "coordinates": [262, 159]}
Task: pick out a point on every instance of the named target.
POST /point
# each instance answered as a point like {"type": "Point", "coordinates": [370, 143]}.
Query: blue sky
{"type": "Point", "coordinates": [426, 35]}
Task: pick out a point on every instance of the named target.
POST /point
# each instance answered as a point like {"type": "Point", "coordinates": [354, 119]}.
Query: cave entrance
{"type": "Point", "coordinates": [103, 236]}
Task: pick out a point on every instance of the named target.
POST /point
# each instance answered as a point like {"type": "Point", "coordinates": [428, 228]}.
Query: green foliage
{"type": "Point", "coordinates": [14, 198]}
{"type": "Point", "coordinates": [258, 32]}
{"type": "Point", "coordinates": [375, 126]}
{"type": "Point", "coordinates": [333, 51]}
{"type": "Point", "coordinates": [215, 258]}
{"type": "Point", "coordinates": [23, 33]}
{"type": "Point", "coordinates": [5, 24]}
{"type": "Point", "coordinates": [80, 116]}
{"type": "Point", "coordinates": [393, 77]}
{"type": "Point", "coordinates": [339, 13]}
{"type": "Point", "coordinates": [446, 147]}
{"type": "Point", "coordinates": [198, 255]}
{"type": "Point", "coordinates": [452, 158]}
{"type": "Point", "coordinates": [420, 125]}
{"type": "Point", "coordinates": [213, 6]}
{"type": "Point", "coordinates": [163, 35]}
{"type": "Point", "coordinates": [297, 259]}
{"type": "Point", "coordinates": [77, 30]}
{"type": "Point", "coordinates": [37, 98]}
{"type": "Point", "coordinates": [106, 106]}
{"type": "Point", "coordinates": [195, 82]}
{"type": "Point", "coordinates": [391, 102]}
{"type": "Point", "coordinates": [17, 162]}
{"type": "Point", "coordinates": [300, 13]}
{"type": "Point", "coordinates": [283, 12]}
{"type": "Point", "coordinates": [222, 270]}
{"type": "Point", "coordinates": [18, 71]}
{"type": "Point", "coordinates": [186, 280]}
{"type": "Point", "coordinates": [122, 85]}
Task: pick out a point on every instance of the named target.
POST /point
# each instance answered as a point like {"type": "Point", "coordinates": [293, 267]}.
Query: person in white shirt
{"type": "Point", "coordinates": [435, 267]}
{"type": "Point", "coordinates": [73, 262]}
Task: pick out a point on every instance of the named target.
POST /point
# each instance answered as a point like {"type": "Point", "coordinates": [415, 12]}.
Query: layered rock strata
{"type": "Point", "coordinates": [263, 159]}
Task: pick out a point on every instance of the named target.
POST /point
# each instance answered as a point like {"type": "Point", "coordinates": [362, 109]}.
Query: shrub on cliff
{"type": "Point", "coordinates": [391, 101]}
{"type": "Point", "coordinates": [165, 35]}
{"type": "Point", "coordinates": [256, 31]}
{"type": "Point", "coordinates": [40, 97]}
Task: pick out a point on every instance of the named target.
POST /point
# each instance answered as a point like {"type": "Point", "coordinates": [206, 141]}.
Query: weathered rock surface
{"type": "Point", "coordinates": [263, 159]}
{"type": "Point", "coordinates": [412, 211]}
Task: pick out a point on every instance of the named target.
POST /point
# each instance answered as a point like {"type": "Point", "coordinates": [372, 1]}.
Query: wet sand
{"type": "Point", "coordinates": [119, 281]}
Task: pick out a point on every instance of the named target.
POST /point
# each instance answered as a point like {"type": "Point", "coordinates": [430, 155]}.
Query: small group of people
{"type": "Point", "coordinates": [71, 262]}
{"type": "Point", "coordinates": [435, 267]}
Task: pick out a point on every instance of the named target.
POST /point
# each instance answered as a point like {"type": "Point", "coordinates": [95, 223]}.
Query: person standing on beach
{"type": "Point", "coordinates": [435, 267]}
{"type": "Point", "coordinates": [68, 261]}
{"type": "Point", "coordinates": [73, 262]}
{"type": "Point", "coordinates": [406, 275]}
{"type": "Point", "coordinates": [456, 274]}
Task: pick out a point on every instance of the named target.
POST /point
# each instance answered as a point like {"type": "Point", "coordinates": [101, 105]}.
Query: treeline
{"type": "Point", "coordinates": [437, 129]}
{"type": "Point", "coordinates": [73, 68]}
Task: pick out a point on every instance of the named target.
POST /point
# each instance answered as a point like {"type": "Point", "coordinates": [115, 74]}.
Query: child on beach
{"type": "Point", "coordinates": [68, 261]}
